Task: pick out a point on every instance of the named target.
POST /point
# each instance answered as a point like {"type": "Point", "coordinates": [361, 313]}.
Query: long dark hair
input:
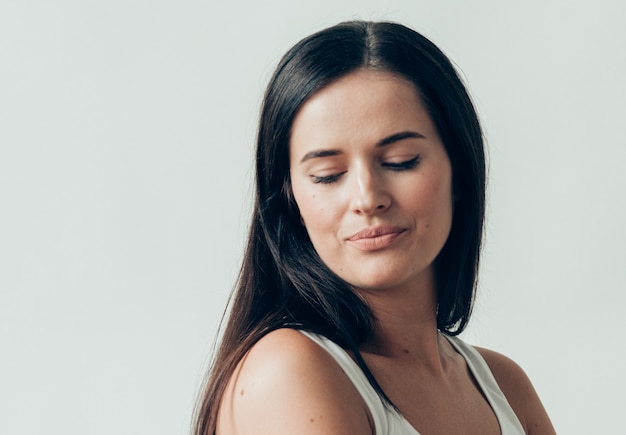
{"type": "Point", "coordinates": [283, 282]}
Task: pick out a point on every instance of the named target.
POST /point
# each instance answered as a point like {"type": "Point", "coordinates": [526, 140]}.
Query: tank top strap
{"type": "Point", "coordinates": [509, 423]}
{"type": "Point", "coordinates": [386, 420]}
{"type": "Point", "coordinates": [356, 375]}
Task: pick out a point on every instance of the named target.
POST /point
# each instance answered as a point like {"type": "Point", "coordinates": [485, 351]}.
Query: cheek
{"type": "Point", "coordinates": [443, 205]}
{"type": "Point", "coordinates": [433, 201]}
{"type": "Point", "coordinates": [316, 220]}
{"type": "Point", "coordinates": [319, 220]}
{"type": "Point", "coordinates": [315, 207]}
{"type": "Point", "coordinates": [311, 209]}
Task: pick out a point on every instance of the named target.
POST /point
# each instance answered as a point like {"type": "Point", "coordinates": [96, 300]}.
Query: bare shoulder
{"type": "Point", "coordinates": [519, 392]}
{"type": "Point", "coordinates": [288, 384]}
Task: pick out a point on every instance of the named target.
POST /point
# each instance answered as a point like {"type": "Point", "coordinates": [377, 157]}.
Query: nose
{"type": "Point", "coordinates": [369, 195]}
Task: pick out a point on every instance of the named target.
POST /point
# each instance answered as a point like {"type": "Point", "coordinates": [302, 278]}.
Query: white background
{"type": "Point", "coordinates": [126, 135]}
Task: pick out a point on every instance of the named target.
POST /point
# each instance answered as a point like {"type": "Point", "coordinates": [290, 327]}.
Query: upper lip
{"type": "Point", "coordinates": [370, 233]}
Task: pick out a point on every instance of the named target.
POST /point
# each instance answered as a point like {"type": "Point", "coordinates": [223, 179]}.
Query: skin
{"type": "Point", "coordinates": [373, 183]}
{"type": "Point", "coordinates": [402, 183]}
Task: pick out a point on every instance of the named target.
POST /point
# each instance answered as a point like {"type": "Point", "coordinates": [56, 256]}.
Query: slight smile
{"type": "Point", "coordinates": [374, 239]}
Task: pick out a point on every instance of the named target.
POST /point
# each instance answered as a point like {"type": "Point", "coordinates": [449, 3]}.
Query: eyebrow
{"type": "Point", "coordinates": [381, 143]}
{"type": "Point", "coordinates": [398, 137]}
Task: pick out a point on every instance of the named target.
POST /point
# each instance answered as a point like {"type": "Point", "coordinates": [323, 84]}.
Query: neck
{"type": "Point", "coordinates": [406, 322]}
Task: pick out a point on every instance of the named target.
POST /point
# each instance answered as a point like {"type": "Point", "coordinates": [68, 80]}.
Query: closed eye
{"type": "Point", "coordinates": [326, 179]}
{"type": "Point", "coordinates": [402, 166]}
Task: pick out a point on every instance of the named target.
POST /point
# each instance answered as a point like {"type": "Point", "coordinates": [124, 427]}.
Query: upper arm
{"type": "Point", "coordinates": [519, 392]}
{"type": "Point", "coordinates": [288, 384]}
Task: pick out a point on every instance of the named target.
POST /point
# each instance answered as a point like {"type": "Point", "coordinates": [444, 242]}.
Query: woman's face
{"type": "Point", "coordinates": [372, 180]}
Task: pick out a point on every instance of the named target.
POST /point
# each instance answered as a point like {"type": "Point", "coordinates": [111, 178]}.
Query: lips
{"type": "Point", "coordinates": [372, 239]}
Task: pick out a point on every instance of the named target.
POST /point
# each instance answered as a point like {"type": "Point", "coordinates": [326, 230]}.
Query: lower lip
{"type": "Point", "coordinates": [375, 243]}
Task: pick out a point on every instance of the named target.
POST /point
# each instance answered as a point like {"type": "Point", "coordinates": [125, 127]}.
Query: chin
{"type": "Point", "coordinates": [388, 279]}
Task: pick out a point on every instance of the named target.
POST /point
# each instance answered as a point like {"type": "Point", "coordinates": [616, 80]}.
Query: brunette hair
{"type": "Point", "coordinates": [283, 282]}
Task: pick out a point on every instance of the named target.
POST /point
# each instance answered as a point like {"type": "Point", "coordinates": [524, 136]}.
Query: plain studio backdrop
{"type": "Point", "coordinates": [126, 135]}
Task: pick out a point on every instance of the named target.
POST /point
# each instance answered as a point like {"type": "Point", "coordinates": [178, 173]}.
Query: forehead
{"type": "Point", "coordinates": [363, 106]}
{"type": "Point", "coordinates": [362, 88]}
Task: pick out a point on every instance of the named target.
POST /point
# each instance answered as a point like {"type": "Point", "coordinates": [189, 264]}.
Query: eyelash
{"type": "Point", "coordinates": [402, 166]}
{"type": "Point", "coordinates": [328, 179]}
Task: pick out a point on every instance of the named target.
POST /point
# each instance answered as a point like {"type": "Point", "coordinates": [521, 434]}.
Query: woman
{"type": "Point", "coordinates": [363, 252]}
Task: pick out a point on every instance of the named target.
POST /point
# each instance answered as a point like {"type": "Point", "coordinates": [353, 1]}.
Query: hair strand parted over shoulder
{"type": "Point", "coordinates": [283, 282]}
